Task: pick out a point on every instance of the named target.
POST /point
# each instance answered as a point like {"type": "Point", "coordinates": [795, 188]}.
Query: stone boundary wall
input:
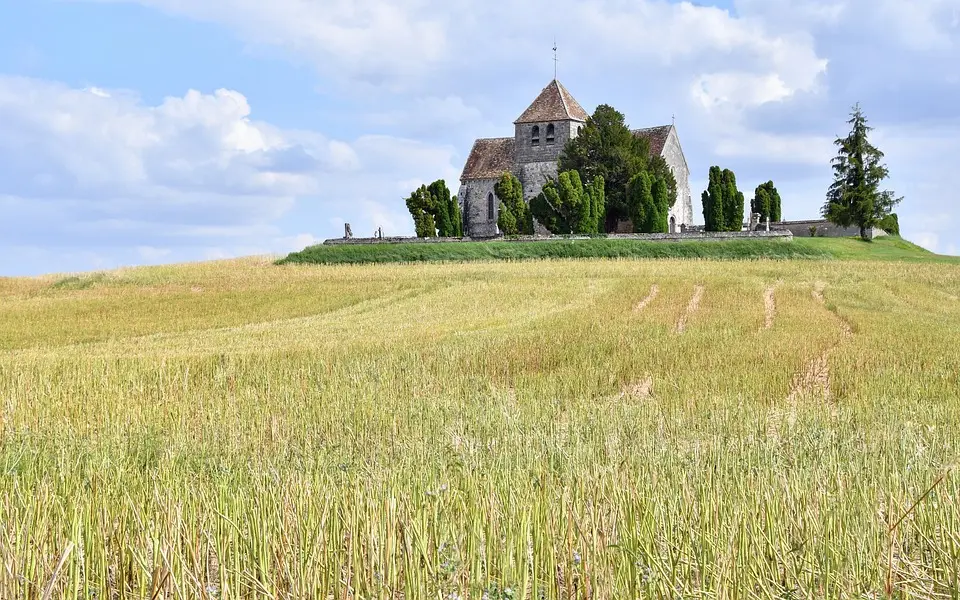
{"type": "Point", "coordinates": [824, 229]}
{"type": "Point", "coordinates": [651, 237]}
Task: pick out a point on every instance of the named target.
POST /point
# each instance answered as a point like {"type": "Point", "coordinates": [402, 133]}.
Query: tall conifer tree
{"type": "Point", "coordinates": [855, 197]}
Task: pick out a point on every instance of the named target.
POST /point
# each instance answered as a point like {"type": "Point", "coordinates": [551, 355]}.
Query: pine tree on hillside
{"type": "Point", "coordinates": [855, 198]}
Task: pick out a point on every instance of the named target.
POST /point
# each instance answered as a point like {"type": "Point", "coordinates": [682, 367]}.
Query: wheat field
{"type": "Point", "coordinates": [565, 429]}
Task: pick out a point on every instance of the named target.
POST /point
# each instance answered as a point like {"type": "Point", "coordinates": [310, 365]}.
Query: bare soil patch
{"type": "Point", "coordinates": [638, 391]}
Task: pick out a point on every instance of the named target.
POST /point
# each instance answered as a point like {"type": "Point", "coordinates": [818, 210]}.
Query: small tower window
{"type": "Point", "coordinates": [490, 207]}
{"type": "Point", "coordinates": [579, 129]}
{"type": "Point", "coordinates": [550, 133]}
{"type": "Point", "coordinates": [535, 136]}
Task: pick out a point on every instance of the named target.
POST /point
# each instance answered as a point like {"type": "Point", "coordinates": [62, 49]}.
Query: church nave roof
{"type": "Point", "coordinates": [490, 158]}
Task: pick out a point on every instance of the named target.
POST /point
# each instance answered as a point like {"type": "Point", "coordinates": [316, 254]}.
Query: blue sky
{"type": "Point", "coordinates": [155, 131]}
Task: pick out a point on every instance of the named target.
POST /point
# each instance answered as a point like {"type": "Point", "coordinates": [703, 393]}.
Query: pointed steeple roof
{"type": "Point", "coordinates": [554, 103]}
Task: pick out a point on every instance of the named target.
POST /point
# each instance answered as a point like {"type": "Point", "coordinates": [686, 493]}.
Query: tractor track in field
{"type": "Point", "coordinates": [814, 380]}
{"type": "Point", "coordinates": [654, 292]}
{"type": "Point", "coordinates": [769, 307]}
{"type": "Point", "coordinates": [692, 308]}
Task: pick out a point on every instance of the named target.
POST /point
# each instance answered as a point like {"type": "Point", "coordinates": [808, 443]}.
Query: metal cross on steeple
{"type": "Point", "coordinates": [555, 59]}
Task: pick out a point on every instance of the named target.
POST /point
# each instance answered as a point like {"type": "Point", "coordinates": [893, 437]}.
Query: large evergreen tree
{"type": "Point", "coordinates": [649, 202]}
{"type": "Point", "coordinates": [713, 201]}
{"type": "Point", "coordinates": [766, 202]}
{"type": "Point", "coordinates": [661, 200]}
{"type": "Point", "coordinates": [733, 203]}
{"type": "Point", "coordinates": [440, 195]}
{"type": "Point", "coordinates": [640, 199]}
{"type": "Point", "coordinates": [420, 205]}
{"type": "Point", "coordinates": [723, 204]}
{"type": "Point", "coordinates": [567, 206]}
{"type": "Point", "coordinates": [433, 209]}
{"type": "Point", "coordinates": [515, 217]}
{"type": "Point", "coordinates": [855, 197]}
{"type": "Point", "coordinates": [607, 149]}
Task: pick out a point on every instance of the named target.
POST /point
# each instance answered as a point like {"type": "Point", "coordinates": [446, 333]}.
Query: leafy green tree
{"type": "Point", "coordinates": [854, 197]}
{"type": "Point", "coordinates": [515, 217]}
{"type": "Point", "coordinates": [766, 202]}
{"type": "Point", "coordinates": [713, 205]}
{"type": "Point", "coordinates": [607, 149]}
{"type": "Point", "coordinates": [566, 206]}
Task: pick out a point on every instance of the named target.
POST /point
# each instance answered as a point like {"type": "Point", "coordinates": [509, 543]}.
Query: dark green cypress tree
{"type": "Point", "coordinates": [713, 202]}
{"type": "Point", "coordinates": [661, 201]}
{"type": "Point", "coordinates": [440, 200]}
{"type": "Point", "coordinates": [640, 200]}
{"type": "Point", "coordinates": [761, 202]}
{"type": "Point", "coordinates": [733, 203]}
{"type": "Point", "coordinates": [766, 202]}
{"type": "Point", "coordinates": [776, 214]}
{"type": "Point", "coordinates": [456, 216]}
{"type": "Point", "coordinates": [598, 197]}
{"type": "Point", "coordinates": [506, 221]}
{"type": "Point", "coordinates": [510, 191]}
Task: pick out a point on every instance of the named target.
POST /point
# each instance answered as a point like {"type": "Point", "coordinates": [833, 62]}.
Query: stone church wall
{"type": "Point", "coordinates": [673, 154]}
{"type": "Point", "coordinates": [473, 198]}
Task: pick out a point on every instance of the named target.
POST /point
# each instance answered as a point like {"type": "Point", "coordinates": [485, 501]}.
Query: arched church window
{"type": "Point", "coordinates": [579, 129]}
{"type": "Point", "coordinates": [490, 207]}
{"type": "Point", "coordinates": [535, 136]}
{"type": "Point", "coordinates": [550, 133]}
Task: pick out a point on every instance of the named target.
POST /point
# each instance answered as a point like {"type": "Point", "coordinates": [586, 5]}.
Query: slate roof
{"type": "Point", "coordinates": [490, 158]}
{"type": "Point", "coordinates": [554, 103]}
{"type": "Point", "coordinates": [657, 136]}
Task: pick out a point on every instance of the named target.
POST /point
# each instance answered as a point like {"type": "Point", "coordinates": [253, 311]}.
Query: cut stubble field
{"type": "Point", "coordinates": [565, 429]}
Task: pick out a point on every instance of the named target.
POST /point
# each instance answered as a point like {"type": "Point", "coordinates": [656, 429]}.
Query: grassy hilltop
{"type": "Point", "coordinates": [564, 429]}
{"type": "Point", "coordinates": [886, 248]}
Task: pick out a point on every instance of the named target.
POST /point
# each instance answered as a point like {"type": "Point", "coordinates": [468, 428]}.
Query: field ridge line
{"type": "Point", "coordinates": [654, 292]}
{"type": "Point", "coordinates": [692, 308]}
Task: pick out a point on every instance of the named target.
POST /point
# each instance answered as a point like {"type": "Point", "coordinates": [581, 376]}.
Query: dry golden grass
{"type": "Point", "coordinates": [242, 430]}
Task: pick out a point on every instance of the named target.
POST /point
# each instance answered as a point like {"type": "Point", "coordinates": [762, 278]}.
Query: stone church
{"type": "Point", "coordinates": [540, 134]}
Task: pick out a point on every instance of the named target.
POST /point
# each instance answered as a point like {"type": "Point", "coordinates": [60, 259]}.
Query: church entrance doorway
{"type": "Point", "coordinates": [673, 224]}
